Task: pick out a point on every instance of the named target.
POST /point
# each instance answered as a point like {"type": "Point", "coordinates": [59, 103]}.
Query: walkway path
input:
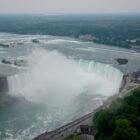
{"type": "Point", "coordinates": [66, 130]}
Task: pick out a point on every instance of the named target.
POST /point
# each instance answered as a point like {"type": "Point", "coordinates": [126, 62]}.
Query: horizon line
{"type": "Point", "coordinates": [55, 14]}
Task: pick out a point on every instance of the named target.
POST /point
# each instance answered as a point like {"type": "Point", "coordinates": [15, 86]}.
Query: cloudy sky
{"type": "Point", "coordinates": [69, 6]}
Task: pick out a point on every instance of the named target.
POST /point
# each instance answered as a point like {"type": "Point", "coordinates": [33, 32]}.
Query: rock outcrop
{"type": "Point", "coordinates": [3, 84]}
{"type": "Point", "coordinates": [5, 98]}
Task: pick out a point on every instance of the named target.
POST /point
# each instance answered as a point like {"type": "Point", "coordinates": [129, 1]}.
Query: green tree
{"type": "Point", "coordinates": [103, 119]}
{"type": "Point", "coordinates": [125, 134]}
{"type": "Point", "coordinates": [136, 92]}
{"type": "Point", "coordinates": [131, 133]}
{"type": "Point", "coordinates": [76, 138]}
{"type": "Point", "coordinates": [71, 137]}
{"type": "Point", "coordinates": [119, 134]}
{"type": "Point", "coordinates": [122, 123]}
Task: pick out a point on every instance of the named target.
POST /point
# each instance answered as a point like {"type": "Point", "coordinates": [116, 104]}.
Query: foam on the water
{"type": "Point", "coordinates": [60, 41]}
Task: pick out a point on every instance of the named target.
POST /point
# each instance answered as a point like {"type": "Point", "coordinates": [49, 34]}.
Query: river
{"type": "Point", "coordinates": [60, 79]}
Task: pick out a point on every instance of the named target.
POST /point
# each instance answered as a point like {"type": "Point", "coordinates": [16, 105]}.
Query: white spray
{"type": "Point", "coordinates": [53, 79]}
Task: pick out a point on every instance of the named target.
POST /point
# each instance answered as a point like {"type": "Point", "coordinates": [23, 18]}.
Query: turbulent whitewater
{"type": "Point", "coordinates": [53, 79]}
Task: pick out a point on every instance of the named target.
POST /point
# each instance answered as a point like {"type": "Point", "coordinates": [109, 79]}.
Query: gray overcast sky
{"type": "Point", "coordinates": [69, 6]}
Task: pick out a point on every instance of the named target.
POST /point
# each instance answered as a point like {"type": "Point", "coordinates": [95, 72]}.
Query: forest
{"type": "Point", "coordinates": [121, 121]}
{"type": "Point", "coordinates": [116, 30]}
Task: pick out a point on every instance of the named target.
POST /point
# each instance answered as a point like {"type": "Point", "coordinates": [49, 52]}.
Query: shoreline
{"type": "Point", "coordinates": [71, 127]}
{"type": "Point", "coordinates": [80, 39]}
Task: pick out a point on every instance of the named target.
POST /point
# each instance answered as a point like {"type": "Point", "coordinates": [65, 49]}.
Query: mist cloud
{"type": "Point", "coordinates": [53, 79]}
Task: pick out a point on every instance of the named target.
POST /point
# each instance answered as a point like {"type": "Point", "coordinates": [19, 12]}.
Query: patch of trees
{"type": "Point", "coordinates": [4, 45]}
{"type": "Point", "coordinates": [121, 121]}
{"type": "Point", "coordinates": [72, 137]}
{"type": "Point", "coordinates": [122, 61]}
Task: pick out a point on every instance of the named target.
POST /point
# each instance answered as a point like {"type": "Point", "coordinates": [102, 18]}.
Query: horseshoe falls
{"type": "Point", "coordinates": [55, 90]}
{"type": "Point", "coordinates": [106, 71]}
{"type": "Point", "coordinates": [52, 78]}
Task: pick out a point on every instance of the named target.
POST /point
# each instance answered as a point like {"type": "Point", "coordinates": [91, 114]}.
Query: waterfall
{"type": "Point", "coordinates": [54, 78]}
{"type": "Point", "coordinates": [106, 71]}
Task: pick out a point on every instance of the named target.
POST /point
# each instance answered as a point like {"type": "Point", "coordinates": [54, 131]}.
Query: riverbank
{"type": "Point", "coordinates": [131, 82]}
{"type": "Point", "coordinates": [115, 30]}
{"type": "Point", "coordinates": [90, 38]}
{"type": "Point", "coordinates": [120, 120]}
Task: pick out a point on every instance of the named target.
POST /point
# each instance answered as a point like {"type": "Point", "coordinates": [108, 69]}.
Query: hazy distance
{"type": "Point", "coordinates": [69, 6]}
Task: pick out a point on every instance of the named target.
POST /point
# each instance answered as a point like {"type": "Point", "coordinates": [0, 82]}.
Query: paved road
{"type": "Point", "coordinates": [70, 128]}
{"type": "Point", "coordinates": [129, 86]}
